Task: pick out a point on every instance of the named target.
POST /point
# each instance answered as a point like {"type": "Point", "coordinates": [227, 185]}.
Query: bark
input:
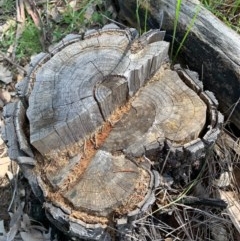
{"type": "Point", "coordinates": [100, 110]}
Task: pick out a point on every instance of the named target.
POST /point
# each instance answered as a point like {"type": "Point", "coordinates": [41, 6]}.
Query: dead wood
{"type": "Point", "coordinates": [20, 23]}
{"type": "Point", "coordinates": [97, 108]}
{"type": "Point", "coordinates": [211, 47]}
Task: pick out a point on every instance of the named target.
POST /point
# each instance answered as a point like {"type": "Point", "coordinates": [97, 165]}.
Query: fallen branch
{"type": "Point", "coordinates": [13, 63]}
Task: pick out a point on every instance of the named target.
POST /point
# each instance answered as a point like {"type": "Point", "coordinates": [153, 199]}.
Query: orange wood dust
{"type": "Point", "coordinates": [90, 147]}
{"type": "Point", "coordinates": [86, 150]}
{"type": "Point", "coordinates": [58, 200]}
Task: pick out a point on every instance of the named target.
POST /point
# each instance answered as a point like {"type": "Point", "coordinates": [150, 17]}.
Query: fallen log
{"type": "Point", "coordinates": [92, 113]}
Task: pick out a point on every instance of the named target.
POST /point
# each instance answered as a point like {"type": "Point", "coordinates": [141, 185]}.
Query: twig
{"type": "Point", "coordinates": [15, 189]}
{"type": "Point", "coordinates": [20, 17]}
{"type": "Point", "coordinates": [32, 11]}
{"type": "Point", "coordinates": [20, 24]}
{"type": "Point", "coordinates": [13, 63]}
{"type": "Point", "coordinates": [165, 161]}
{"type": "Point", "coordinates": [234, 107]}
{"type": "Point", "coordinates": [111, 20]}
{"type": "Point", "coordinates": [4, 152]}
{"type": "Point", "coordinates": [212, 202]}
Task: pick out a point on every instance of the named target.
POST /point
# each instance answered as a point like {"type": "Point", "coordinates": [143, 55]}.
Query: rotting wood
{"type": "Point", "coordinates": [96, 107]}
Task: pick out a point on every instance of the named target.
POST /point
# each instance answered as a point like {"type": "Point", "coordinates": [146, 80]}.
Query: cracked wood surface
{"type": "Point", "coordinates": [80, 86]}
{"type": "Point", "coordinates": [72, 95]}
{"type": "Point", "coordinates": [95, 108]}
{"type": "Point", "coordinates": [164, 109]}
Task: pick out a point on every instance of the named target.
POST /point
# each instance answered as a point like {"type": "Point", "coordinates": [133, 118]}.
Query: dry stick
{"type": "Point", "coordinates": [15, 187]}
{"type": "Point", "coordinates": [111, 20]}
{"type": "Point", "coordinates": [20, 24]}
{"type": "Point", "coordinates": [12, 62]}
{"type": "Point", "coordinates": [20, 14]}
{"type": "Point", "coordinates": [33, 12]}
{"type": "Point", "coordinates": [4, 152]}
{"type": "Point", "coordinates": [165, 161]}
{"type": "Point", "coordinates": [234, 107]}
{"type": "Point", "coordinates": [183, 225]}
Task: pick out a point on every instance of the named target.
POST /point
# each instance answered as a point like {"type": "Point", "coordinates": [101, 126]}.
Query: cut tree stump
{"type": "Point", "coordinates": [93, 114]}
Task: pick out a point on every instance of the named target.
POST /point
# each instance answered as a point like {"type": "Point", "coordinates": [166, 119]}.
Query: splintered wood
{"type": "Point", "coordinates": [95, 107]}
{"type": "Point", "coordinates": [80, 86]}
{"type": "Point", "coordinates": [99, 180]}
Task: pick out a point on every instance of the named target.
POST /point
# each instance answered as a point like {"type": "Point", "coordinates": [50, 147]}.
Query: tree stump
{"type": "Point", "coordinates": [92, 113]}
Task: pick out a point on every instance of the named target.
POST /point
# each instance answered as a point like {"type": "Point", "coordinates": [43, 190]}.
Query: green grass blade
{"type": "Point", "coordinates": [145, 19]}
{"type": "Point", "coordinates": [236, 7]}
{"type": "Point", "coordinates": [138, 17]}
{"type": "Point", "coordinates": [189, 27]}
{"type": "Point", "coordinates": [177, 13]}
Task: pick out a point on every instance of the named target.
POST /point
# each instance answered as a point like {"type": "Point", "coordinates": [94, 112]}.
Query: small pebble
{"type": "Point", "coordinates": [5, 96]}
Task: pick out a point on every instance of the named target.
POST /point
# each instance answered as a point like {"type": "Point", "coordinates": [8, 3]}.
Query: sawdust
{"type": "Point", "coordinates": [136, 46]}
{"type": "Point", "coordinates": [58, 159]}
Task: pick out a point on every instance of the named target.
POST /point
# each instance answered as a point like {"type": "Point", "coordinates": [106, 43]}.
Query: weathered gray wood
{"type": "Point", "coordinates": [75, 227]}
{"type": "Point", "coordinates": [31, 176]}
{"type": "Point", "coordinates": [9, 133]}
{"type": "Point", "coordinates": [105, 184]}
{"type": "Point", "coordinates": [112, 69]}
{"type": "Point", "coordinates": [52, 110]}
{"type": "Point", "coordinates": [14, 131]}
{"type": "Point", "coordinates": [26, 160]}
{"type": "Point", "coordinates": [211, 47]}
{"type": "Point", "coordinates": [110, 94]}
{"type": "Point", "coordinates": [20, 121]}
{"type": "Point", "coordinates": [180, 118]}
{"type": "Point", "coordinates": [59, 178]}
{"type": "Point", "coordinates": [96, 108]}
{"type": "Point", "coordinates": [190, 78]}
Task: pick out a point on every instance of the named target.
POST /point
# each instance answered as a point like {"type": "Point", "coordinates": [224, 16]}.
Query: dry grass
{"type": "Point", "coordinates": [227, 10]}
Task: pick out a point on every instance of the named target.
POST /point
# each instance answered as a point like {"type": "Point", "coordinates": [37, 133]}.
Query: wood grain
{"type": "Point", "coordinates": [72, 95]}
{"type": "Point", "coordinates": [101, 109]}
{"type": "Point", "coordinates": [165, 109]}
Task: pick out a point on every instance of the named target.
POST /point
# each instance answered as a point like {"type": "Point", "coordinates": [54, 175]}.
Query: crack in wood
{"type": "Point", "coordinates": [97, 108]}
